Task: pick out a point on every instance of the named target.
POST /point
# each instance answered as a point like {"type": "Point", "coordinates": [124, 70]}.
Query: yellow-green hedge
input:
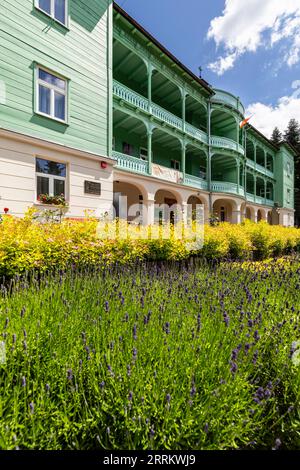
{"type": "Point", "coordinates": [26, 244]}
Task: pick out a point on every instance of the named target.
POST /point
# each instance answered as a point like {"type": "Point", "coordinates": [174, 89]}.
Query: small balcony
{"type": "Point", "coordinates": [224, 187]}
{"type": "Point", "coordinates": [259, 168]}
{"type": "Point", "coordinates": [195, 182]}
{"type": "Point", "coordinates": [129, 163]}
{"type": "Point", "coordinates": [225, 143]}
{"type": "Point", "coordinates": [259, 200]}
{"type": "Point", "coordinates": [224, 97]}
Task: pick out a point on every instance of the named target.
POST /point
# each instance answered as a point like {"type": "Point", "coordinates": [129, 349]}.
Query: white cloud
{"type": "Point", "coordinates": [246, 26]}
{"type": "Point", "coordinates": [267, 117]}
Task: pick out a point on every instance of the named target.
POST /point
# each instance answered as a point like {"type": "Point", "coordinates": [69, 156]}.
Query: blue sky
{"type": "Point", "coordinates": [257, 41]}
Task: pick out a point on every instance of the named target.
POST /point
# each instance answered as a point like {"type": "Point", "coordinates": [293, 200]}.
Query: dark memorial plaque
{"type": "Point", "coordinates": [92, 187]}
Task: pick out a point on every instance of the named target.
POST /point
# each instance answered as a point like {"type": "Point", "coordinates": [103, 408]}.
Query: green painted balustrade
{"type": "Point", "coordinates": [224, 187]}
{"type": "Point", "coordinates": [269, 202]}
{"type": "Point", "coordinates": [196, 133]}
{"type": "Point", "coordinates": [129, 163]}
{"type": "Point", "coordinates": [223, 142]}
{"type": "Point", "coordinates": [131, 97]}
{"type": "Point", "coordinates": [195, 182]}
{"type": "Point", "coordinates": [259, 168]}
{"type": "Point", "coordinates": [260, 200]}
{"type": "Point", "coordinates": [250, 197]}
{"type": "Point", "coordinates": [227, 98]}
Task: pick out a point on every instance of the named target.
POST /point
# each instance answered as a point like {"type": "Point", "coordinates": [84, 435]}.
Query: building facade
{"type": "Point", "coordinates": [93, 107]}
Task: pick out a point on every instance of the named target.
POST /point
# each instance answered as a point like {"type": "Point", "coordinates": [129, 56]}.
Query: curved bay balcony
{"type": "Point", "coordinates": [225, 143]}
{"type": "Point", "coordinates": [230, 100]}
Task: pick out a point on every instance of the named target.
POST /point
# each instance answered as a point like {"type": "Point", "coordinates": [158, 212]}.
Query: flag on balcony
{"type": "Point", "coordinates": [245, 121]}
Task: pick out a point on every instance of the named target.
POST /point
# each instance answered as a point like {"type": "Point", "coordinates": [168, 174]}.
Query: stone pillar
{"type": "Point", "coordinates": [255, 215]}
{"type": "Point", "coordinates": [149, 207]}
{"type": "Point", "coordinates": [184, 206]}
{"type": "Point", "coordinates": [237, 215]}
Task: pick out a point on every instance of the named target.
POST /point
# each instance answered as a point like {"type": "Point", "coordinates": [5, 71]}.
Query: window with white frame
{"type": "Point", "coordinates": [57, 9]}
{"type": "Point", "coordinates": [50, 178]}
{"type": "Point", "coordinates": [52, 92]}
{"type": "Point", "coordinates": [288, 196]}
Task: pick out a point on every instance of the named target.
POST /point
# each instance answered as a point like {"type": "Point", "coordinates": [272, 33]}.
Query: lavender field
{"type": "Point", "coordinates": [155, 356]}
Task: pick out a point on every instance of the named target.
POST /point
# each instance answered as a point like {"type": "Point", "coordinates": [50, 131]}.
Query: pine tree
{"type": "Point", "coordinates": [276, 137]}
{"type": "Point", "coordinates": [292, 134]}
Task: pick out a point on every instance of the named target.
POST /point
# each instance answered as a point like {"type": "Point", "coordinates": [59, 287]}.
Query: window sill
{"type": "Point", "coordinates": [63, 123]}
{"type": "Point", "coordinates": [54, 20]}
{"type": "Point", "coordinates": [50, 206]}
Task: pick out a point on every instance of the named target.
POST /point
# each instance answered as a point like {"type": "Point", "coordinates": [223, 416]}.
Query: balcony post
{"type": "Point", "coordinates": [150, 72]}
{"type": "Point", "coordinates": [183, 94]}
{"type": "Point", "coordinates": [149, 148]}
{"type": "Point", "coordinates": [254, 177]}
{"type": "Point", "coordinates": [238, 176]}
{"type": "Point", "coordinates": [238, 136]}
{"type": "Point", "coordinates": [265, 159]}
{"type": "Point", "coordinates": [183, 155]}
{"type": "Point", "coordinates": [265, 181]}
{"type": "Point", "coordinates": [255, 154]}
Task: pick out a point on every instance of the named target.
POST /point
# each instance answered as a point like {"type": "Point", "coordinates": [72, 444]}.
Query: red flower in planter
{"type": "Point", "coordinates": [6, 209]}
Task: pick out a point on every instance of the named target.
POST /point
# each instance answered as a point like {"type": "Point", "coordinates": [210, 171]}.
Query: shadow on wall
{"type": "Point", "coordinates": [87, 13]}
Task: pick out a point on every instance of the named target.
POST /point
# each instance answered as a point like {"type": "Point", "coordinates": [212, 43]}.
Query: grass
{"type": "Point", "coordinates": [161, 355]}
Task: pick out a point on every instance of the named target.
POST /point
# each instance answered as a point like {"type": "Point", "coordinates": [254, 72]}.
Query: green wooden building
{"type": "Point", "coordinates": [93, 107]}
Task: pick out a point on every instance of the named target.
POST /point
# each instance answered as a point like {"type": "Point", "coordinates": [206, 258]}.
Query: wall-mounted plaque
{"type": "Point", "coordinates": [92, 187]}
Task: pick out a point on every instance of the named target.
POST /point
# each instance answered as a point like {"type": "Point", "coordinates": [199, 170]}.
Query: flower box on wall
{"type": "Point", "coordinates": [52, 200]}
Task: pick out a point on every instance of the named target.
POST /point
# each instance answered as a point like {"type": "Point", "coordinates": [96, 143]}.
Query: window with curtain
{"type": "Point", "coordinates": [57, 9]}
{"type": "Point", "coordinates": [51, 95]}
{"type": "Point", "coordinates": [50, 178]}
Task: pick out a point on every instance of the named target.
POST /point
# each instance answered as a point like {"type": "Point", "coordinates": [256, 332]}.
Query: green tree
{"type": "Point", "coordinates": [292, 134]}
{"type": "Point", "coordinates": [276, 137]}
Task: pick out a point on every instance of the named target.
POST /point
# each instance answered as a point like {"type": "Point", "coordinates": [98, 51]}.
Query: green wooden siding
{"type": "Point", "coordinates": [80, 53]}
{"type": "Point", "coordinates": [284, 179]}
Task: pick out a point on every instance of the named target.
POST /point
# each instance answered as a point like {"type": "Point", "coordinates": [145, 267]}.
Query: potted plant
{"type": "Point", "coordinates": [53, 200]}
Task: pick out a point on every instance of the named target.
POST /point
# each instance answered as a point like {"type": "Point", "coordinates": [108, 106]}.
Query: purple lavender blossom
{"type": "Point", "coordinates": [31, 406]}
{"type": "Point", "coordinates": [135, 332]}
{"type": "Point", "coordinates": [233, 367]}
{"type": "Point", "coordinates": [69, 374]}
{"type": "Point", "coordinates": [23, 381]}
